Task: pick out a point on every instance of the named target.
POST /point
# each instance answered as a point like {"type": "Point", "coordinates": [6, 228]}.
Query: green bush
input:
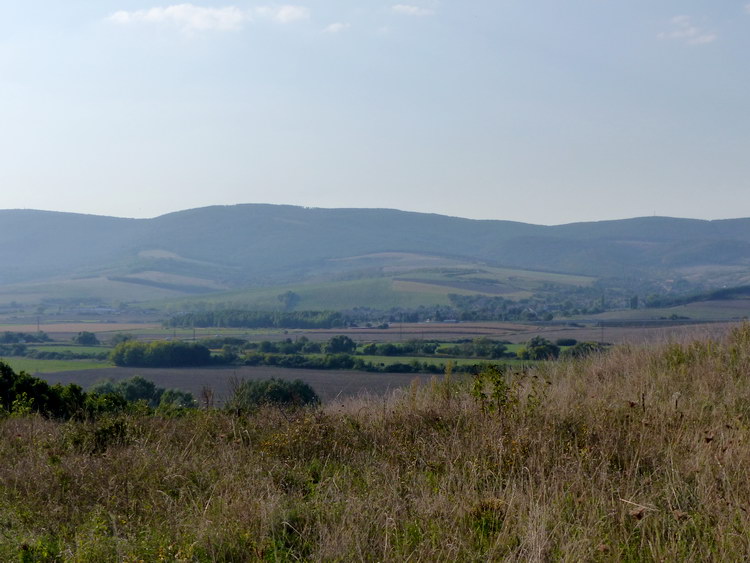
{"type": "Point", "coordinates": [160, 354]}
{"type": "Point", "coordinates": [138, 388]}
{"type": "Point", "coordinates": [248, 394]}
{"type": "Point", "coordinates": [583, 349]}
{"type": "Point", "coordinates": [22, 393]}
{"type": "Point", "coordinates": [539, 348]}
{"type": "Point", "coordinates": [86, 338]}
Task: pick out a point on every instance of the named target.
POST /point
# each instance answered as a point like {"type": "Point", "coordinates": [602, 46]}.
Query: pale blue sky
{"type": "Point", "coordinates": [537, 111]}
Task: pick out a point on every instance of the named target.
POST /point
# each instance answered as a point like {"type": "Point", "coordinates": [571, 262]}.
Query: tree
{"type": "Point", "coordinates": [86, 338]}
{"type": "Point", "coordinates": [252, 394]}
{"type": "Point", "coordinates": [23, 393]}
{"type": "Point", "coordinates": [160, 354]}
{"type": "Point", "coordinates": [119, 338]}
{"type": "Point", "coordinates": [540, 348]}
{"type": "Point", "coordinates": [175, 398]}
{"type": "Point", "coordinates": [341, 345]}
{"type": "Point", "coordinates": [289, 299]}
{"type": "Point", "coordinates": [137, 388]}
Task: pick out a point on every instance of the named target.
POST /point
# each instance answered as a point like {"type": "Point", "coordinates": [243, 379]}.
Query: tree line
{"type": "Point", "coordinates": [24, 394]}
{"type": "Point", "coordinates": [21, 393]}
{"type": "Point", "coordinates": [257, 319]}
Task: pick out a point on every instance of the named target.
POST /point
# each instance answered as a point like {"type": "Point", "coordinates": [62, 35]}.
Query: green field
{"type": "Point", "coordinates": [89, 288]}
{"type": "Point", "coordinates": [31, 365]}
{"type": "Point", "coordinates": [373, 292]}
{"type": "Point", "coordinates": [69, 348]}
{"type": "Point", "coordinates": [425, 287]}
{"type": "Point", "coordinates": [437, 360]}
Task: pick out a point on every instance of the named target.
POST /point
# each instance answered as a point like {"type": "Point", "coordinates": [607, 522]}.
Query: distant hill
{"type": "Point", "coordinates": [232, 247]}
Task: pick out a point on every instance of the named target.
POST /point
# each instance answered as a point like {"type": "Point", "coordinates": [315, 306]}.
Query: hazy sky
{"type": "Point", "coordinates": [540, 111]}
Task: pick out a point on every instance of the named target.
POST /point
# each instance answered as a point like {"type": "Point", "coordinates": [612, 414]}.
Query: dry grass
{"type": "Point", "coordinates": [637, 455]}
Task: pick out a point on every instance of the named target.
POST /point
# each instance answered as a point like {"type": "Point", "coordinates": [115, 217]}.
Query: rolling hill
{"type": "Point", "coordinates": [232, 248]}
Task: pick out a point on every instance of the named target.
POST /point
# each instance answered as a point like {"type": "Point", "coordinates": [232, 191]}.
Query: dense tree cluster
{"type": "Point", "coordinates": [540, 348]}
{"type": "Point", "coordinates": [250, 394]}
{"type": "Point", "coordinates": [21, 393]}
{"type": "Point", "coordinates": [160, 354]}
{"type": "Point", "coordinates": [14, 343]}
{"type": "Point", "coordinates": [139, 389]}
{"type": "Point", "coordinates": [86, 338]}
{"type": "Point", "coordinates": [408, 348]}
{"type": "Point", "coordinates": [23, 337]}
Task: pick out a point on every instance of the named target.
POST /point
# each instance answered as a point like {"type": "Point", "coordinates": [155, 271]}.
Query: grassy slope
{"type": "Point", "coordinates": [57, 347]}
{"type": "Point", "coordinates": [432, 360]}
{"type": "Point", "coordinates": [375, 292]}
{"type": "Point", "coordinates": [420, 287]}
{"type": "Point", "coordinates": [703, 310]}
{"type": "Point", "coordinates": [637, 455]}
{"type": "Point", "coordinates": [87, 288]}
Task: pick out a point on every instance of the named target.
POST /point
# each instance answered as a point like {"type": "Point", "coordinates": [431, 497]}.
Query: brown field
{"type": "Point", "coordinates": [631, 335]}
{"type": "Point", "coordinates": [67, 330]}
{"type": "Point", "coordinates": [512, 332]}
{"type": "Point", "coordinates": [329, 384]}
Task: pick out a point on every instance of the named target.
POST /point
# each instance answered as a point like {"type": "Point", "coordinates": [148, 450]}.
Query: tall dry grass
{"type": "Point", "coordinates": [636, 455]}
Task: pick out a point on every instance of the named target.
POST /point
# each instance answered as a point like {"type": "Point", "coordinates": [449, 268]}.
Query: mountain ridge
{"type": "Point", "coordinates": [264, 244]}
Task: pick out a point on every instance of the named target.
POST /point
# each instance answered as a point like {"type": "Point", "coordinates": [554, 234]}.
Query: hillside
{"type": "Point", "coordinates": [638, 454]}
{"type": "Point", "coordinates": [214, 249]}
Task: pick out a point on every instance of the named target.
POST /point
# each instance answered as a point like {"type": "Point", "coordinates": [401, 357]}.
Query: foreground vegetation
{"type": "Point", "coordinates": [628, 455]}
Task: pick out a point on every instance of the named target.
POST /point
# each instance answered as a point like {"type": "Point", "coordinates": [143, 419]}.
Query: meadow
{"type": "Point", "coordinates": [638, 454]}
{"type": "Point", "coordinates": [35, 366]}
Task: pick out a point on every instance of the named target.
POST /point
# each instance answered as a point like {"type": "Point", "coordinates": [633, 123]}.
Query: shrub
{"type": "Point", "coordinates": [23, 393]}
{"type": "Point", "coordinates": [583, 349]}
{"type": "Point", "coordinates": [340, 345]}
{"type": "Point", "coordinates": [177, 398]}
{"type": "Point", "coordinates": [540, 348]}
{"type": "Point", "coordinates": [248, 394]}
{"type": "Point", "coordinates": [138, 388]}
{"type": "Point", "coordinates": [86, 338]}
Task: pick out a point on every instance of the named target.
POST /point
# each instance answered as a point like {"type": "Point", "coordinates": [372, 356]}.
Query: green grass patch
{"type": "Point", "coordinates": [437, 360]}
{"type": "Point", "coordinates": [69, 348]}
{"type": "Point", "coordinates": [101, 288]}
{"type": "Point", "coordinates": [30, 365]}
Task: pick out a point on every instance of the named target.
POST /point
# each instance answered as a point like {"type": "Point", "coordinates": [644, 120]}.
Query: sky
{"type": "Point", "coordinates": [538, 111]}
